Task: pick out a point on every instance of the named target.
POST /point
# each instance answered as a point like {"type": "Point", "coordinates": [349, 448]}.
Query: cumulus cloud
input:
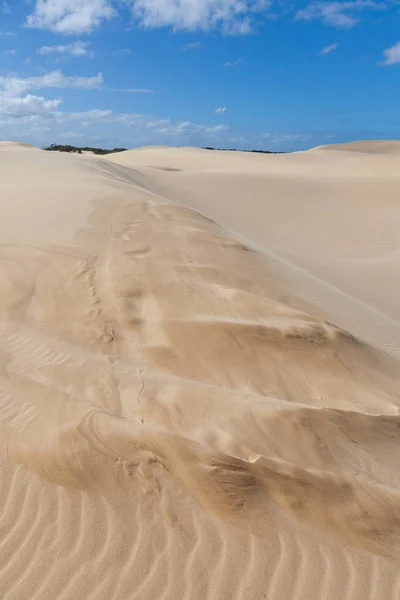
{"type": "Point", "coordinates": [222, 109]}
{"type": "Point", "coordinates": [230, 15]}
{"type": "Point", "coordinates": [392, 55]}
{"type": "Point", "coordinates": [55, 79]}
{"type": "Point", "coordinates": [28, 105]}
{"type": "Point", "coordinates": [78, 16]}
{"type": "Point", "coordinates": [29, 120]}
{"type": "Point", "coordinates": [338, 14]}
{"type": "Point", "coordinates": [70, 16]}
{"type": "Point", "coordinates": [329, 49]}
{"type": "Point", "coordinates": [16, 102]}
{"type": "Point", "coordinates": [76, 49]}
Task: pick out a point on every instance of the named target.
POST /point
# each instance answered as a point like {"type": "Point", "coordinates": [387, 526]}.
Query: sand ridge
{"type": "Point", "coordinates": [369, 146]}
{"type": "Point", "coordinates": [287, 206]}
{"type": "Point", "coordinates": [179, 418]}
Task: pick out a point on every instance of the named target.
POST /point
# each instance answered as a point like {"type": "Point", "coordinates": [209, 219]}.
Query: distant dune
{"type": "Point", "coordinates": [369, 146]}
{"type": "Point", "coordinates": [16, 146]}
{"type": "Point", "coordinates": [199, 375]}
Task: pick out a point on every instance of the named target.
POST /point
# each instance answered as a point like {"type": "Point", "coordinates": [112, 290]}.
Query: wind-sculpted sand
{"type": "Point", "coordinates": [192, 414]}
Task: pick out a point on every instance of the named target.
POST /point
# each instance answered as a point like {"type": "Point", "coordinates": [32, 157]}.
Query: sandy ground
{"type": "Point", "coordinates": [195, 413]}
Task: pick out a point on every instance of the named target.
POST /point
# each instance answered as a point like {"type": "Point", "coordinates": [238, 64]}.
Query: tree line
{"type": "Point", "coordinates": [79, 150]}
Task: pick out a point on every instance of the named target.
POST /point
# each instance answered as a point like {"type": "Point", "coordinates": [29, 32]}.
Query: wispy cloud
{"type": "Point", "coordinates": [233, 63]}
{"type": "Point", "coordinates": [5, 7]}
{"type": "Point", "coordinates": [11, 52]}
{"type": "Point", "coordinates": [191, 46]}
{"type": "Point", "coordinates": [121, 52]}
{"type": "Point", "coordinates": [392, 55]}
{"type": "Point", "coordinates": [76, 49]}
{"type": "Point", "coordinates": [91, 114]}
{"type": "Point", "coordinates": [220, 110]}
{"type": "Point", "coordinates": [8, 34]}
{"type": "Point", "coordinates": [135, 90]}
{"type": "Point", "coordinates": [41, 122]}
{"type": "Point", "coordinates": [338, 14]}
{"type": "Point", "coordinates": [330, 48]}
{"type": "Point", "coordinates": [55, 79]}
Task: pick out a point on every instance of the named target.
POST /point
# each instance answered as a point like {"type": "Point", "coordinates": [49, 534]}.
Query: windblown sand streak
{"type": "Point", "coordinates": [176, 422]}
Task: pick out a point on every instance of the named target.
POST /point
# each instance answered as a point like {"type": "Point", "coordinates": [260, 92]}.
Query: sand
{"type": "Point", "coordinates": [369, 147]}
{"type": "Point", "coordinates": [199, 376]}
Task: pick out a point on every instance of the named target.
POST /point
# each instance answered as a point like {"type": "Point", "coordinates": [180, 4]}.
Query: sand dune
{"type": "Point", "coordinates": [9, 146]}
{"type": "Point", "coordinates": [369, 146]}
{"type": "Point", "coordinates": [332, 216]}
{"type": "Point", "coordinates": [187, 413]}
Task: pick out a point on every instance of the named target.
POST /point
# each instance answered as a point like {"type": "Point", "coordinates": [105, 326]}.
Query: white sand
{"type": "Point", "coordinates": [192, 414]}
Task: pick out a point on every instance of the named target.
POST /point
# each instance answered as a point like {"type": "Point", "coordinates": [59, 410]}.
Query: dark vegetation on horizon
{"type": "Point", "coordinates": [79, 150]}
{"type": "Point", "coordinates": [74, 149]}
{"type": "Point", "coordinates": [236, 150]}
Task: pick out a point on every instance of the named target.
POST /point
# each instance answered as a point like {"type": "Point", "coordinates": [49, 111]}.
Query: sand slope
{"type": "Point", "coordinates": [370, 146]}
{"type": "Point", "coordinates": [183, 417]}
{"type": "Point", "coordinates": [332, 215]}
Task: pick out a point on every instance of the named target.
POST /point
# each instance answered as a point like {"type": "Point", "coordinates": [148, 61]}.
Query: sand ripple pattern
{"type": "Point", "coordinates": [176, 425]}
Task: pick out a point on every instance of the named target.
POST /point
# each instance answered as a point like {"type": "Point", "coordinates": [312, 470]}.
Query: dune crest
{"type": "Point", "coordinates": [4, 145]}
{"type": "Point", "coordinates": [182, 416]}
{"type": "Point", "coordinates": [368, 146]}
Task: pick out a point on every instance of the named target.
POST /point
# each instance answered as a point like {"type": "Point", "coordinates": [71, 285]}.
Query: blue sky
{"type": "Point", "coordinates": [268, 74]}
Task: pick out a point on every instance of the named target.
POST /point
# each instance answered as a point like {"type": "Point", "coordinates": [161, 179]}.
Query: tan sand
{"type": "Point", "coordinates": [370, 147]}
{"type": "Point", "coordinates": [192, 414]}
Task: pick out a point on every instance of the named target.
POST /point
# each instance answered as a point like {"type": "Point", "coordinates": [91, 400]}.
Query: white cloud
{"type": "Point", "coordinates": [330, 48]}
{"type": "Point", "coordinates": [7, 34]}
{"type": "Point", "coordinates": [12, 52]}
{"type": "Point", "coordinates": [70, 16]}
{"type": "Point", "coordinates": [17, 103]}
{"type": "Point", "coordinates": [392, 55]}
{"type": "Point", "coordinates": [222, 109]}
{"type": "Point", "coordinates": [216, 129]}
{"type": "Point", "coordinates": [75, 49]}
{"type": "Point", "coordinates": [55, 79]}
{"type": "Point", "coordinates": [180, 129]}
{"type": "Point", "coordinates": [78, 16]}
{"type": "Point", "coordinates": [73, 135]}
{"type": "Point", "coordinates": [29, 105]}
{"type": "Point", "coordinates": [158, 122]}
{"type": "Point", "coordinates": [231, 15]}
{"type": "Point", "coordinates": [233, 63]}
{"type": "Point", "coordinates": [91, 114]}
{"type": "Point", "coordinates": [191, 46]}
{"type": "Point", "coordinates": [337, 14]}
{"type": "Point", "coordinates": [41, 122]}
